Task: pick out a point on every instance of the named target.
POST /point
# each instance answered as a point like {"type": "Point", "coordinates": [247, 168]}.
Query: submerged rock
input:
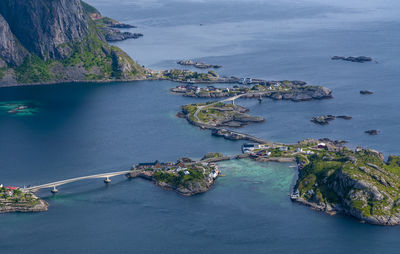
{"type": "Point", "coordinates": [365, 92]}
{"type": "Point", "coordinates": [358, 59]}
{"type": "Point", "coordinates": [372, 132]}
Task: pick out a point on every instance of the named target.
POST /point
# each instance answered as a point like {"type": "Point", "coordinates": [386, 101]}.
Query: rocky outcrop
{"type": "Point", "coordinates": [372, 132]}
{"type": "Point", "coordinates": [325, 119]}
{"type": "Point", "coordinates": [358, 59]}
{"type": "Point", "coordinates": [11, 52]}
{"type": "Point", "coordinates": [116, 35]}
{"type": "Point", "coordinates": [365, 92]}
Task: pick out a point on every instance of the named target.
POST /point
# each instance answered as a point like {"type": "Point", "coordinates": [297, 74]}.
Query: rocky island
{"type": "Point", "coordinates": [186, 176]}
{"type": "Point", "coordinates": [218, 114]}
{"type": "Point", "coordinates": [358, 59]}
{"type": "Point", "coordinates": [325, 119]}
{"type": "Point", "coordinates": [199, 65]}
{"type": "Point", "coordinates": [13, 199]}
{"type": "Point", "coordinates": [372, 132]}
{"type": "Point", "coordinates": [277, 90]}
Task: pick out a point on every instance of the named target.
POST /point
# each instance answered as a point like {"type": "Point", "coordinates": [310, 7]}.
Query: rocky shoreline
{"type": "Point", "coordinates": [40, 206]}
{"type": "Point", "coordinates": [276, 90]}
{"type": "Point", "coordinates": [14, 200]}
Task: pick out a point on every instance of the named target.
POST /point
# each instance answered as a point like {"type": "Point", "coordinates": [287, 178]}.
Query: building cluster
{"type": "Point", "coordinates": [255, 149]}
{"type": "Point", "coordinates": [8, 190]}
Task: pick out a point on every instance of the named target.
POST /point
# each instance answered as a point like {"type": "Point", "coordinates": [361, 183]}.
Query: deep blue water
{"type": "Point", "coordinates": [84, 129]}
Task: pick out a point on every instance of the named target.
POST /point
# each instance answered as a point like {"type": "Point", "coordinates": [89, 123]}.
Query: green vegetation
{"type": "Point", "coordinates": [34, 70]}
{"type": "Point", "coordinates": [100, 61]}
{"type": "Point", "coordinates": [2, 72]}
{"type": "Point", "coordinates": [180, 179]}
{"type": "Point", "coordinates": [212, 156]}
{"type": "Point", "coordinates": [216, 114]}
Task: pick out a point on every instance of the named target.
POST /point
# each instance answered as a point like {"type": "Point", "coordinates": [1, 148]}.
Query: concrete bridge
{"type": "Point", "coordinates": [54, 185]}
{"type": "Point", "coordinates": [232, 99]}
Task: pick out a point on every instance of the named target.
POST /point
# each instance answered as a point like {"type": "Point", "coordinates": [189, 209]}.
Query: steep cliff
{"type": "Point", "coordinates": [11, 52]}
{"type": "Point", "coordinates": [56, 41]}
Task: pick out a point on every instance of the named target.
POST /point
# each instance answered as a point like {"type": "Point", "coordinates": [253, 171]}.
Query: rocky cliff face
{"type": "Point", "coordinates": [11, 51]}
{"type": "Point", "coordinates": [46, 27]}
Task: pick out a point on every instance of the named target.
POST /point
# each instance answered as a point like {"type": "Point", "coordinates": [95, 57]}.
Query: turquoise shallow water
{"type": "Point", "coordinates": [83, 129]}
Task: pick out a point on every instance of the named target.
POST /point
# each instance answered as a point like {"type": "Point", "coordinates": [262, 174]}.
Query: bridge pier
{"type": "Point", "coordinates": [233, 102]}
{"type": "Point", "coordinates": [54, 190]}
{"type": "Point", "coordinates": [107, 180]}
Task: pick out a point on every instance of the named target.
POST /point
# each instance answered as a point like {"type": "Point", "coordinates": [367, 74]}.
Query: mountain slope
{"type": "Point", "coordinates": [56, 41]}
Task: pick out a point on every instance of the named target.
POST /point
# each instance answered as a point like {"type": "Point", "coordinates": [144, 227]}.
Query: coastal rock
{"type": "Point", "coordinates": [365, 92]}
{"type": "Point", "coordinates": [113, 35]}
{"type": "Point", "coordinates": [345, 117]}
{"type": "Point", "coordinates": [325, 119]}
{"type": "Point", "coordinates": [247, 118]}
{"type": "Point", "coordinates": [121, 25]}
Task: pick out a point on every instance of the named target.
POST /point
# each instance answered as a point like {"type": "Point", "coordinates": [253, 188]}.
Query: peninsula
{"type": "Point", "coordinates": [335, 179]}
{"type": "Point", "coordinates": [216, 115]}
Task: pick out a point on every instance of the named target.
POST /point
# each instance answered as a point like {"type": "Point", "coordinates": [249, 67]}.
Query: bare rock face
{"type": "Point", "coordinates": [10, 50]}
{"type": "Point", "coordinates": [46, 28]}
